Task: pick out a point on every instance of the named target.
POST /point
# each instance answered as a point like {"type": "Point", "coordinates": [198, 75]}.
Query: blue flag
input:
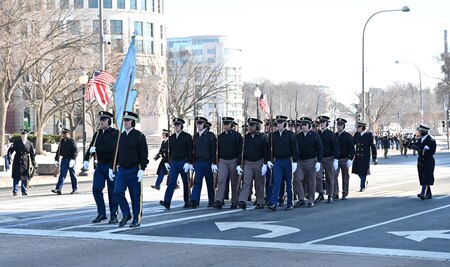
{"type": "Point", "coordinates": [123, 84]}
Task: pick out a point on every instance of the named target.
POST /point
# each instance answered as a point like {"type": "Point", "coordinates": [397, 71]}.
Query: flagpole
{"type": "Point", "coordinates": [102, 48]}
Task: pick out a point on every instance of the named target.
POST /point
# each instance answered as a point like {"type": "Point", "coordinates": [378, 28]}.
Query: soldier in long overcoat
{"type": "Point", "coordinates": [365, 146]}
{"type": "Point", "coordinates": [24, 162]}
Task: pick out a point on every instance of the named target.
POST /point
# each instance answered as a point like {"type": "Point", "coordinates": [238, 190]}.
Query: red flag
{"type": "Point", "coordinates": [263, 104]}
{"type": "Point", "coordinates": [98, 87]}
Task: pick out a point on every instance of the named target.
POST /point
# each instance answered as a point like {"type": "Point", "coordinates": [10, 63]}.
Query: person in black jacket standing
{"type": "Point", "coordinates": [132, 161]}
{"type": "Point", "coordinates": [103, 145]}
{"type": "Point", "coordinates": [346, 155]}
{"type": "Point", "coordinates": [68, 151]}
{"type": "Point", "coordinates": [162, 153]}
{"type": "Point", "coordinates": [23, 161]}
{"type": "Point", "coordinates": [365, 146]}
{"type": "Point", "coordinates": [425, 147]}
{"type": "Point", "coordinates": [180, 159]}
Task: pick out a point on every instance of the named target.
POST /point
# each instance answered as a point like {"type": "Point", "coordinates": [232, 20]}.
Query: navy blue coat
{"type": "Point", "coordinates": [364, 148]}
{"type": "Point", "coordinates": [425, 159]}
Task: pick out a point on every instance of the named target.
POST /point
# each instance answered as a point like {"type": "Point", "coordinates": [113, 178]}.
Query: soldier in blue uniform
{"type": "Point", "coordinates": [425, 147]}
{"type": "Point", "coordinates": [346, 155]}
{"type": "Point", "coordinates": [23, 161]}
{"type": "Point", "coordinates": [204, 162]}
{"type": "Point", "coordinates": [103, 146]}
{"type": "Point", "coordinates": [365, 147]}
{"type": "Point", "coordinates": [285, 154]}
{"type": "Point", "coordinates": [132, 161]}
{"type": "Point", "coordinates": [67, 149]}
{"type": "Point", "coordinates": [180, 162]}
{"type": "Point", "coordinates": [162, 153]}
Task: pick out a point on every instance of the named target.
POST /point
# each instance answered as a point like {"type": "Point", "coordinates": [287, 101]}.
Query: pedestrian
{"type": "Point", "coordinates": [310, 154]}
{"type": "Point", "coordinates": [24, 161]}
{"type": "Point", "coordinates": [256, 155]}
{"type": "Point", "coordinates": [162, 154]}
{"type": "Point", "coordinates": [103, 147]}
{"type": "Point", "coordinates": [204, 145]}
{"type": "Point", "coordinates": [230, 148]}
{"type": "Point", "coordinates": [386, 144]}
{"type": "Point", "coordinates": [346, 155]}
{"type": "Point", "coordinates": [67, 149]}
{"type": "Point", "coordinates": [5, 148]}
{"type": "Point", "coordinates": [365, 147]}
{"type": "Point", "coordinates": [180, 163]}
{"type": "Point", "coordinates": [330, 159]}
{"type": "Point", "coordinates": [425, 147]}
{"type": "Point", "coordinates": [132, 159]}
{"type": "Point", "coordinates": [285, 153]}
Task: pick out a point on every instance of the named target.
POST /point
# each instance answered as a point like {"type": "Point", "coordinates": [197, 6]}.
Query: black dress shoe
{"type": "Point", "coordinates": [210, 205]}
{"type": "Point", "coordinates": [164, 204]}
{"type": "Point", "coordinates": [310, 205]}
{"type": "Point", "coordinates": [428, 196]}
{"type": "Point", "coordinates": [421, 196]}
{"type": "Point", "coordinates": [218, 205]}
{"type": "Point", "coordinates": [242, 205]}
{"type": "Point", "coordinates": [192, 204]}
{"type": "Point", "coordinates": [288, 207]}
{"type": "Point", "coordinates": [155, 187]}
{"type": "Point", "coordinates": [99, 219]}
{"type": "Point", "coordinates": [272, 207]}
{"type": "Point", "coordinates": [134, 224]}
{"type": "Point", "coordinates": [330, 199]}
{"type": "Point", "coordinates": [299, 203]}
{"type": "Point", "coordinates": [56, 191]}
{"type": "Point", "coordinates": [344, 197]}
{"type": "Point", "coordinates": [336, 196]}
{"type": "Point", "coordinates": [14, 193]}
{"type": "Point", "coordinates": [259, 206]}
{"type": "Point", "coordinates": [74, 192]}
{"type": "Point", "coordinates": [319, 198]}
{"type": "Point", "coordinates": [281, 203]}
{"type": "Point", "coordinates": [113, 220]}
{"type": "Point", "coordinates": [124, 220]}
{"type": "Point", "coordinates": [24, 194]}
{"type": "Point", "coordinates": [233, 206]}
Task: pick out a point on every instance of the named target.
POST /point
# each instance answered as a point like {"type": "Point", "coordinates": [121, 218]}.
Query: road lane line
{"type": "Point", "coordinates": [376, 225]}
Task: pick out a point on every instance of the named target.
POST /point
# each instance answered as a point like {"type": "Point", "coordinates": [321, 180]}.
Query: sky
{"type": "Point", "coordinates": [320, 41]}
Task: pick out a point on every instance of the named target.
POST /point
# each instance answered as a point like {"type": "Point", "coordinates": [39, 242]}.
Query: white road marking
{"type": "Point", "coordinates": [419, 236]}
{"type": "Point", "coordinates": [275, 230]}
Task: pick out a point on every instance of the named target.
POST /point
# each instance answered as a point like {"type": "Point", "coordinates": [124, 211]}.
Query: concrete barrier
{"type": "Point", "coordinates": [45, 169]}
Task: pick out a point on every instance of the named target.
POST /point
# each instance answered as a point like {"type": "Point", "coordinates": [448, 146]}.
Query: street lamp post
{"type": "Point", "coordinates": [404, 9]}
{"type": "Point", "coordinates": [83, 80]}
{"type": "Point", "coordinates": [420, 88]}
{"type": "Point", "coordinates": [257, 94]}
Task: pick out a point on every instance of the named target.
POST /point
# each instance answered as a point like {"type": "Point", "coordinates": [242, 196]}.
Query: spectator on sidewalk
{"type": "Point", "coordinates": [23, 161]}
{"type": "Point", "coordinates": [6, 147]}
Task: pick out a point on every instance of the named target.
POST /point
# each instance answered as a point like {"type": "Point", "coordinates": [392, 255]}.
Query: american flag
{"type": "Point", "coordinates": [98, 87]}
{"type": "Point", "coordinates": [263, 104]}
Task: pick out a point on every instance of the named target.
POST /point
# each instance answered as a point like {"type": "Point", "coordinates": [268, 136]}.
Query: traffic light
{"type": "Point", "coordinates": [443, 124]}
{"type": "Point", "coordinates": [358, 116]}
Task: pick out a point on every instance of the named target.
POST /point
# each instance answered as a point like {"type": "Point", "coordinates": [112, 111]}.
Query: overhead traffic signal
{"type": "Point", "coordinates": [443, 124]}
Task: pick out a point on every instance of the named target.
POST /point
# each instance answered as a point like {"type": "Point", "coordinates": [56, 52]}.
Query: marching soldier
{"type": "Point", "coordinates": [230, 146]}
{"type": "Point", "coordinates": [256, 154]}
{"type": "Point", "coordinates": [103, 145]}
{"type": "Point", "coordinates": [285, 154]}
{"type": "Point", "coordinates": [205, 162]}
{"type": "Point", "coordinates": [346, 154]}
{"type": "Point", "coordinates": [132, 161]}
{"type": "Point", "coordinates": [310, 156]}
{"type": "Point", "coordinates": [365, 146]}
{"type": "Point", "coordinates": [68, 151]}
{"type": "Point", "coordinates": [330, 160]}
{"type": "Point", "coordinates": [24, 160]}
{"type": "Point", "coordinates": [425, 147]}
{"type": "Point", "coordinates": [180, 159]}
{"type": "Point", "coordinates": [162, 153]}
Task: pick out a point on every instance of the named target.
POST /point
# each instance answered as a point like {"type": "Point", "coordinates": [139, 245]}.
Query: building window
{"type": "Point", "coordinates": [211, 51]}
{"type": "Point", "coordinates": [78, 4]}
{"type": "Point", "coordinates": [133, 4]}
{"type": "Point", "coordinates": [161, 30]}
{"type": "Point", "coordinates": [144, 5]}
{"type": "Point", "coordinates": [74, 27]}
{"type": "Point", "coordinates": [138, 28]}
{"type": "Point", "coordinates": [116, 27]}
{"type": "Point", "coordinates": [159, 6]}
{"type": "Point", "coordinates": [139, 46]}
{"type": "Point", "coordinates": [148, 47]}
{"type": "Point", "coordinates": [121, 4]}
{"type": "Point", "coordinates": [153, 5]}
{"type": "Point", "coordinates": [93, 4]}
{"type": "Point", "coordinates": [211, 60]}
{"type": "Point", "coordinates": [162, 49]}
{"type": "Point", "coordinates": [148, 29]}
{"type": "Point", "coordinates": [64, 4]}
{"type": "Point", "coordinates": [107, 4]}
{"type": "Point", "coordinates": [96, 26]}
{"type": "Point", "coordinates": [117, 45]}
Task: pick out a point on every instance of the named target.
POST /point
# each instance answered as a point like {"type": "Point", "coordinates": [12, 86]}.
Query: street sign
{"type": "Point", "coordinates": [275, 230]}
{"type": "Point", "coordinates": [422, 235]}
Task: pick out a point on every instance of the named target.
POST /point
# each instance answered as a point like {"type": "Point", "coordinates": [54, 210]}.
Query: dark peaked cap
{"type": "Point", "coordinates": [203, 119]}
{"type": "Point", "coordinates": [423, 128]}
{"type": "Point", "coordinates": [341, 121]}
{"type": "Point", "coordinates": [361, 124]}
{"type": "Point", "coordinates": [178, 121]}
{"type": "Point", "coordinates": [281, 118]}
{"type": "Point", "coordinates": [105, 114]}
{"type": "Point", "coordinates": [323, 118]}
{"type": "Point", "coordinates": [128, 115]}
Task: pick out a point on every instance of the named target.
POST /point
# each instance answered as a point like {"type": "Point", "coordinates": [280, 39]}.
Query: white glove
{"type": "Point", "coordinates": [71, 163]}
{"type": "Point", "coordinates": [140, 175]}
{"type": "Point", "coordinates": [95, 161]}
{"type": "Point", "coordinates": [294, 166]}
{"type": "Point", "coordinates": [270, 164]}
{"type": "Point", "coordinates": [56, 163]}
{"type": "Point", "coordinates": [317, 166]}
{"type": "Point", "coordinates": [214, 168]}
{"type": "Point", "coordinates": [264, 169]}
{"type": "Point", "coordinates": [426, 147]}
{"type": "Point", "coordinates": [92, 150]}
{"type": "Point", "coordinates": [86, 165]}
{"type": "Point", "coordinates": [335, 164]}
{"type": "Point", "coordinates": [167, 165]}
{"type": "Point", "coordinates": [191, 168]}
{"type": "Point", "coordinates": [239, 170]}
{"type": "Point", "coordinates": [111, 175]}
{"type": "Point", "coordinates": [349, 163]}
{"type": "Point", "coordinates": [186, 167]}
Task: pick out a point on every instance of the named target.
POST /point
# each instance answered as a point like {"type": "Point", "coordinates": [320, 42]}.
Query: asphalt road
{"type": "Point", "coordinates": [385, 226]}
